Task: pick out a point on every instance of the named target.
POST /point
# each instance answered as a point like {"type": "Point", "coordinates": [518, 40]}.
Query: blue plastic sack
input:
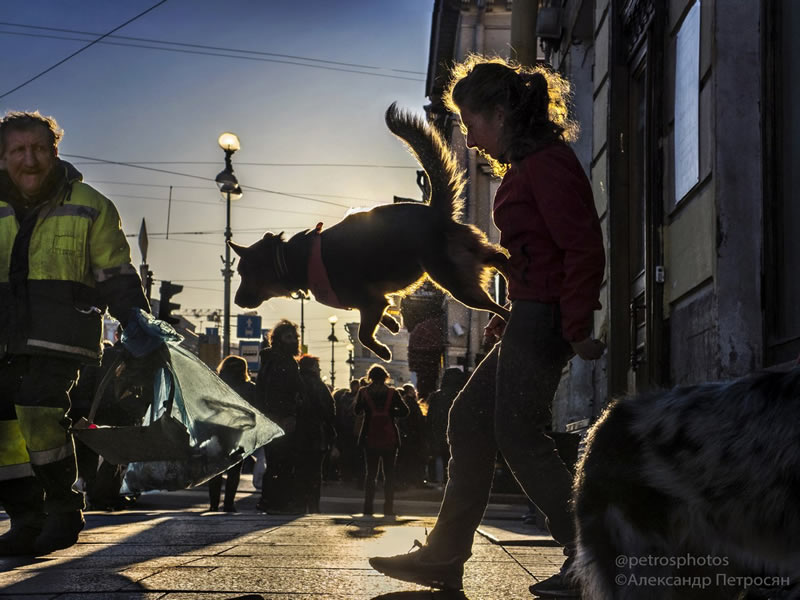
{"type": "Point", "coordinates": [223, 428]}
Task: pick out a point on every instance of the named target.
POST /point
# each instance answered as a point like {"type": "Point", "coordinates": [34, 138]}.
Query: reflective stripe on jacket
{"type": "Point", "coordinates": [78, 264]}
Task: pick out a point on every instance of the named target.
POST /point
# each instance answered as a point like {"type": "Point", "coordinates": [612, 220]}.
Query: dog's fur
{"type": "Point", "coordinates": [707, 470]}
{"type": "Point", "coordinates": [386, 250]}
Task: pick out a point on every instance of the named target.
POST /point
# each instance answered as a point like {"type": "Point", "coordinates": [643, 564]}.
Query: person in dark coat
{"type": "Point", "coordinates": [233, 371]}
{"type": "Point", "coordinates": [350, 464]}
{"type": "Point", "coordinates": [379, 435]}
{"type": "Point", "coordinates": [413, 452]}
{"type": "Point", "coordinates": [439, 403]}
{"type": "Point", "coordinates": [81, 399]}
{"type": "Point", "coordinates": [316, 432]}
{"type": "Point", "coordinates": [279, 391]}
{"type": "Point", "coordinates": [123, 402]}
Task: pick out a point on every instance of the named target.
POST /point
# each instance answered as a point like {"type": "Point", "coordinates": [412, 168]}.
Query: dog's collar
{"type": "Point", "coordinates": [318, 281]}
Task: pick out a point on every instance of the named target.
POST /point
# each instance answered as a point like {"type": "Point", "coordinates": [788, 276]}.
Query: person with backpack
{"type": "Point", "coordinates": [379, 436]}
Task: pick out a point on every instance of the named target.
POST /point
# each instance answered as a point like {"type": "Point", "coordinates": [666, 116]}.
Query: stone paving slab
{"type": "Point", "coordinates": [110, 563]}
{"type": "Point", "coordinates": [56, 581]}
{"type": "Point", "coordinates": [129, 549]}
{"type": "Point", "coordinates": [113, 596]}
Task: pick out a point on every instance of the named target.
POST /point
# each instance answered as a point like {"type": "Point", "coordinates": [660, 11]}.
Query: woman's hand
{"type": "Point", "coordinates": [588, 349]}
{"type": "Point", "coordinates": [494, 329]}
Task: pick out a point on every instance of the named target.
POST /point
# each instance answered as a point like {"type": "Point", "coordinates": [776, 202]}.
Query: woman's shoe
{"type": "Point", "coordinates": [420, 567]}
{"type": "Point", "coordinates": [560, 585]}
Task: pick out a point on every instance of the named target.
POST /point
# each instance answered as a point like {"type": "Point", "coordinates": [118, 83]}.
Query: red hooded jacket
{"type": "Point", "coordinates": [548, 222]}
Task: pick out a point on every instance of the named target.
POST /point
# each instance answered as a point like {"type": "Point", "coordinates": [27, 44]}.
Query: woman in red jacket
{"type": "Point", "coordinates": [544, 209]}
{"type": "Point", "coordinates": [379, 435]}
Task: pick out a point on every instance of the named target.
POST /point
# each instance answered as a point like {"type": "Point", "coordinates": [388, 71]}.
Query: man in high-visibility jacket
{"type": "Point", "coordinates": [63, 260]}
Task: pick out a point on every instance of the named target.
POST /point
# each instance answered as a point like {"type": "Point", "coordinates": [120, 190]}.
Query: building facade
{"type": "Point", "coordinates": [688, 136]}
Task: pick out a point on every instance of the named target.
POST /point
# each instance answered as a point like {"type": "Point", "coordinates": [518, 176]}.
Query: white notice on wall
{"type": "Point", "coordinates": [687, 104]}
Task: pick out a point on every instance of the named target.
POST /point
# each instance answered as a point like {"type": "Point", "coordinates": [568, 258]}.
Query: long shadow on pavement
{"type": "Point", "coordinates": [107, 560]}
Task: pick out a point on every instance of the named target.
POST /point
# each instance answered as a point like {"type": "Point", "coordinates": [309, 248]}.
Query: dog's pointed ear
{"type": "Point", "coordinates": [268, 235]}
{"type": "Point", "coordinates": [240, 250]}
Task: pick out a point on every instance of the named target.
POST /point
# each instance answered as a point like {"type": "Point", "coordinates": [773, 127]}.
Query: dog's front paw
{"type": "Point", "coordinates": [380, 350]}
{"type": "Point", "coordinates": [390, 323]}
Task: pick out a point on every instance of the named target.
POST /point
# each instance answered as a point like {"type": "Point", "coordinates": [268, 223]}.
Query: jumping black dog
{"type": "Point", "coordinates": [386, 250]}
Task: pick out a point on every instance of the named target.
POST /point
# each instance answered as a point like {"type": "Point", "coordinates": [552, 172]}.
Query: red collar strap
{"type": "Point", "coordinates": [318, 281]}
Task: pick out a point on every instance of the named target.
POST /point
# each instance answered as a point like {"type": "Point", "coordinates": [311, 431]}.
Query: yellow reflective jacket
{"type": "Point", "coordinates": [60, 268]}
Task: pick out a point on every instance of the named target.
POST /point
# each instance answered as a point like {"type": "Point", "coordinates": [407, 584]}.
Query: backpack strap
{"type": "Point", "coordinates": [387, 407]}
{"type": "Point", "coordinates": [368, 399]}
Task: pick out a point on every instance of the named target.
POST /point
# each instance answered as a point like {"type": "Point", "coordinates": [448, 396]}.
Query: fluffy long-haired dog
{"type": "Point", "coordinates": [389, 249]}
{"type": "Point", "coordinates": [698, 482]}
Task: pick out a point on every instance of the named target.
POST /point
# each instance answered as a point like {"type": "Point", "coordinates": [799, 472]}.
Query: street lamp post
{"type": "Point", "coordinates": [229, 190]}
{"type": "Point", "coordinates": [350, 360]}
{"type": "Point", "coordinates": [302, 297]}
{"type": "Point", "coordinates": [332, 339]}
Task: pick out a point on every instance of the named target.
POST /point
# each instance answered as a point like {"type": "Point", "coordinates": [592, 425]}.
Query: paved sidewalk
{"type": "Point", "coordinates": [169, 548]}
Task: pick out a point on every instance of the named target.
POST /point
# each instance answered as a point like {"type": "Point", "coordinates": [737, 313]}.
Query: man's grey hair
{"type": "Point", "coordinates": [16, 120]}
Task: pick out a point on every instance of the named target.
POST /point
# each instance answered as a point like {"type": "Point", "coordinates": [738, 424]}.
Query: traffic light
{"type": "Point", "coordinates": [165, 307]}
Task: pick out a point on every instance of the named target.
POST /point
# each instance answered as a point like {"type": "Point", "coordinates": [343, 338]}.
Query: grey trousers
{"type": "Point", "coordinates": [506, 406]}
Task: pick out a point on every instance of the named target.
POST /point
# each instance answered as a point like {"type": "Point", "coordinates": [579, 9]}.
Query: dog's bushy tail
{"type": "Point", "coordinates": [445, 177]}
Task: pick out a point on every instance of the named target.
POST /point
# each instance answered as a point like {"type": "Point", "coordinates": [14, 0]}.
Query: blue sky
{"type": "Point", "coordinates": [132, 104]}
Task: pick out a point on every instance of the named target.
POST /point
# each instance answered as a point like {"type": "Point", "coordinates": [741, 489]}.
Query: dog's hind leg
{"type": "Point", "coordinates": [464, 284]}
{"type": "Point", "coordinates": [462, 268]}
{"type": "Point", "coordinates": [390, 323]}
{"type": "Point", "coordinates": [371, 315]}
{"type": "Point", "coordinates": [499, 261]}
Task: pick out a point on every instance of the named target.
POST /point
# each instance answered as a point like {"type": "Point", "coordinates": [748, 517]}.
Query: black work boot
{"type": "Point", "coordinates": [57, 479]}
{"type": "Point", "coordinates": [19, 540]}
{"type": "Point", "coordinates": [23, 501]}
{"type": "Point", "coordinates": [60, 531]}
{"type": "Point", "coordinates": [63, 504]}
